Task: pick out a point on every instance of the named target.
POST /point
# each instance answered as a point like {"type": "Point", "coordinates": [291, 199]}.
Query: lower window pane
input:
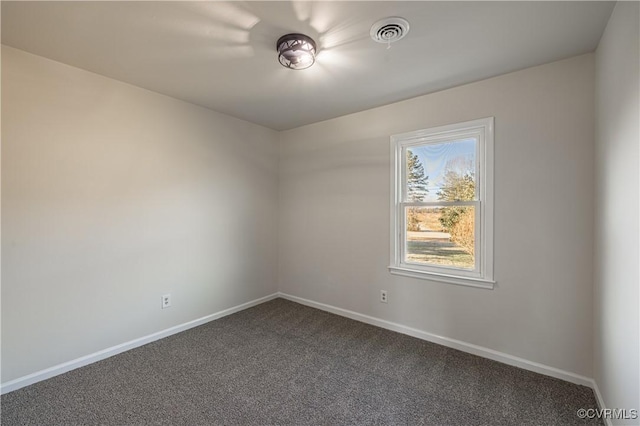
{"type": "Point", "coordinates": [442, 236]}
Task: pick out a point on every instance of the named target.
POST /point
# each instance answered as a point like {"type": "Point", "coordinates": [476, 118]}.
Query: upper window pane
{"type": "Point", "coordinates": [441, 171]}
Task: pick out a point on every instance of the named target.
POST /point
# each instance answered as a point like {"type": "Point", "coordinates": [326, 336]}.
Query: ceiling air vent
{"type": "Point", "coordinates": [388, 30]}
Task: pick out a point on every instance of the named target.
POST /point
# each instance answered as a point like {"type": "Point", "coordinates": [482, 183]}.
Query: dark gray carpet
{"type": "Point", "coordinates": [284, 363]}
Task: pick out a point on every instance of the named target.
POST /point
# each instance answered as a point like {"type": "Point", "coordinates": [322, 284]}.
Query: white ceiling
{"type": "Point", "coordinates": [221, 55]}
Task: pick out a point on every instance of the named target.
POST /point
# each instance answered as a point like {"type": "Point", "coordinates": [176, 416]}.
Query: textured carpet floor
{"type": "Point", "coordinates": [284, 363]}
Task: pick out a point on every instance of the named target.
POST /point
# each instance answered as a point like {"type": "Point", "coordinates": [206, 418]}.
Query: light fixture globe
{"type": "Point", "coordinates": [296, 51]}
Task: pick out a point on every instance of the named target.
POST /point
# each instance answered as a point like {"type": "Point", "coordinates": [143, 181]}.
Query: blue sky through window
{"type": "Point", "coordinates": [438, 158]}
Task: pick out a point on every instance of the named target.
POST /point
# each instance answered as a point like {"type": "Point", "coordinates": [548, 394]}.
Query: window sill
{"type": "Point", "coordinates": [450, 279]}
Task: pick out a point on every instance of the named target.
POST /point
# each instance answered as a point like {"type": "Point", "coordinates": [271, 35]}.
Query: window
{"type": "Point", "coordinates": [442, 204]}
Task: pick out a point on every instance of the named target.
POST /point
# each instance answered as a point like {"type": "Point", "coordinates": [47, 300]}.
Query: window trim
{"type": "Point", "coordinates": [482, 275]}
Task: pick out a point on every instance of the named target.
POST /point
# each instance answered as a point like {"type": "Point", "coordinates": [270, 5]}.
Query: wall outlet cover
{"type": "Point", "coordinates": [166, 301]}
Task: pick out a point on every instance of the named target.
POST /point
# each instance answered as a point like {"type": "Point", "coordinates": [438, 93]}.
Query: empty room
{"type": "Point", "coordinates": [320, 212]}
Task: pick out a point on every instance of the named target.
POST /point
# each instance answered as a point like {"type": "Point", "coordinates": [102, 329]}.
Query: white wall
{"type": "Point", "coordinates": [617, 317]}
{"type": "Point", "coordinates": [334, 216]}
{"type": "Point", "coordinates": [112, 196]}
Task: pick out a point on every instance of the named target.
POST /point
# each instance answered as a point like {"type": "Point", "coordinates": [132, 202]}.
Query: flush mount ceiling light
{"type": "Point", "coordinates": [296, 51]}
{"type": "Point", "coordinates": [388, 30]}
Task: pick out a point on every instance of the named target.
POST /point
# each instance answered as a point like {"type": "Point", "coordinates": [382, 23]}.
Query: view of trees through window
{"type": "Point", "coordinates": [442, 235]}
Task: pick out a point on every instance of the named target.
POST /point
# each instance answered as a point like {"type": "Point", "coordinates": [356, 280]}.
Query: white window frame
{"type": "Point", "coordinates": [482, 275]}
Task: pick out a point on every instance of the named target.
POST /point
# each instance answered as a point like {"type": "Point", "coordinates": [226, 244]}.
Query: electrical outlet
{"type": "Point", "coordinates": [383, 296]}
{"type": "Point", "coordinates": [166, 301]}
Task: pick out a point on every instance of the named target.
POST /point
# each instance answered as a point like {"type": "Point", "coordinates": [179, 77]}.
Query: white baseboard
{"type": "Point", "coordinates": [601, 405]}
{"type": "Point", "coordinates": [451, 343]}
{"type": "Point", "coordinates": [114, 350]}
{"type": "Point", "coordinates": [441, 340]}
